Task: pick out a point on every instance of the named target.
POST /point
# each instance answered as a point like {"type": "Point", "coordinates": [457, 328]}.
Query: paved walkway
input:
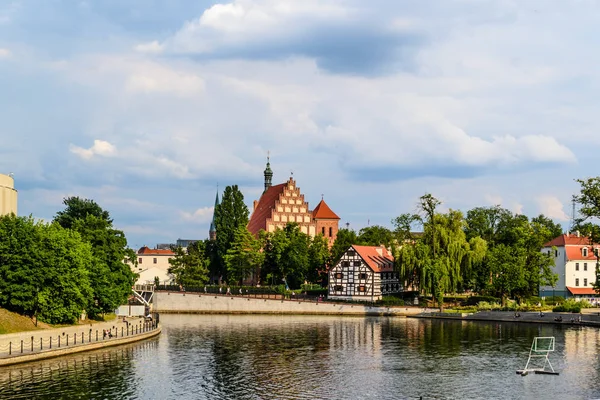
{"type": "Point", "coordinates": [14, 344]}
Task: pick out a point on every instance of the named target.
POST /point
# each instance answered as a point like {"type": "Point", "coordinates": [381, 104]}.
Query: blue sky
{"type": "Point", "coordinates": [144, 106]}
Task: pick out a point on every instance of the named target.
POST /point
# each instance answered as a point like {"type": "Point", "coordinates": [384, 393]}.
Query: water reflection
{"type": "Point", "coordinates": [291, 357]}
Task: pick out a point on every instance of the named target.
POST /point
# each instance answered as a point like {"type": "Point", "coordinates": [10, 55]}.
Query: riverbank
{"type": "Point", "coordinates": [199, 303]}
{"type": "Point", "coordinates": [591, 317]}
{"type": "Point", "coordinates": [40, 344]}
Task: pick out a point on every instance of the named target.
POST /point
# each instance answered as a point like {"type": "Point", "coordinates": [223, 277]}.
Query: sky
{"type": "Point", "coordinates": [147, 106]}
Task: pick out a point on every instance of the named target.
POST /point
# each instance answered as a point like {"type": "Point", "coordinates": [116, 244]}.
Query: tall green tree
{"type": "Point", "coordinates": [44, 270]}
{"type": "Point", "coordinates": [230, 214]}
{"type": "Point", "coordinates": [375, 235]}
{"type": "Point", "coordinates": [244, 257]}
{"type": "Point", "coordinates": [110, 275]}
{"type": "Point", "coordinates": [589, 213]}
{"type": "Point", "coordinates": [318, 259]}
{"type": "Point", "coordinates": [287, 257]}
{"type": "Point", "coordinates": [190, 266]}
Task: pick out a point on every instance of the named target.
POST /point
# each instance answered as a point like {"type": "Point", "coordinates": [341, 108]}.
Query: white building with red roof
{"type": "Point", "coordinates": [153, 263]}
{"type": "Point", "coordinates": [575, 260]}
{"type": "Point", "coordinates": [363, 273]}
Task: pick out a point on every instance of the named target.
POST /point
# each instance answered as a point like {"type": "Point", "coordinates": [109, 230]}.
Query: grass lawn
{"type": "Point", "coordinates": [11, 322]}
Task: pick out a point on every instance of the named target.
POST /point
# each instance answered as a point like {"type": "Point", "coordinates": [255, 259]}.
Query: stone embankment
{"type": "Point", "coordinates": [587, 318]}
{"type": "Point", "coordinates": [200, 303]}
{"type": "Point", "coordinates": [36, 345]}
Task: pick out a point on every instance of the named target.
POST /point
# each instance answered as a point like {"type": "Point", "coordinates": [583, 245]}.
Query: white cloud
{"type": "Point", "coordinates": [201, 215]}
{"type": "Point", "coordinates": [152, 47]}
{"type": "Point", "coordinates": [5, 53]}
{"type": "Point", "coordinates": [100, 148]}
{"type": "Point", "coordinates": [493, 199]}
{"type": "Point", "coordinates": [552, 207]}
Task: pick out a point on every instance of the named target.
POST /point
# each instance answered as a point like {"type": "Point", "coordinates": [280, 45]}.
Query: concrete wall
{"type": "Point", "coordinates": [179, 302]}
{"type": "Point", "coordinates": [8, 195]}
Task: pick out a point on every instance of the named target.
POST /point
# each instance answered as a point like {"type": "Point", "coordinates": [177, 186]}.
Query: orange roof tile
{"type": "Point", "coordinates": [568, 240]}
{"type": "Point", "coordinates": [258, 219]}
{"type": "Point", "coordinates": [581, 290]}
{"type": "Point", "coordinates": [322, 211]}
{"type": "Point", "coordinates": [146, 251]}
{"type": "Point", "coordinates": [575, 253]}
{"type": "Point", "coordinates": [377, 262]}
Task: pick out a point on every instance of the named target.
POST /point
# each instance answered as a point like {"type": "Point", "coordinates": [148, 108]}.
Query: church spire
{"type": "Point", "coordinates": [212, 232]}
{"type": "Point", "coordinates": [268, 173]}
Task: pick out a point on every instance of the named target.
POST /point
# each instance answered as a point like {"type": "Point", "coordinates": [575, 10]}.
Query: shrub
{"type": "Point", "coordinates": [475, 300]}
{"type": "Point", "coordinates": [569, 305]}
{"type": "Point", "coordinates": [391, 301]}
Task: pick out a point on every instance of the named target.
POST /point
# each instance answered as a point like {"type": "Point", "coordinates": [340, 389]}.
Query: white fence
{"type": "Point", "coordinates": [131, 311]}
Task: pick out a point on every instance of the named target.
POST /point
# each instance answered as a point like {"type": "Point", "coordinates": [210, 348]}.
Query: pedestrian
{"type": "Point", "coordinates": [220, 290]}
{"type": "Point", "coordinates": [228, 291]}
{"type": "Point", "coordinates": [204, 289]}
{"type": "Point", "coordinates": [103, 333]}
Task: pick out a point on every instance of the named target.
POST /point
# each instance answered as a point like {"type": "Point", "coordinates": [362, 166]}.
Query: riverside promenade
{"type": "Point", "coordinates": [201, 303]}
{"type": "Point", "coordinates": [588, 317]}
{"type": "Point", "coordinates": [47, 343]}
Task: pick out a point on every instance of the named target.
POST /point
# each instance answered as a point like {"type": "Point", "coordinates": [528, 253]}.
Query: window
{"type": "Point", "coordinates": [584, 251]}
{"type": "Point", "coordinates": [585, 267]}
{"type": "Point", "coordinates": [338, 288]}
{"type": "Point", "coordinates": [345, 264]}
{"type": "Point", "coordinates": [155, 260]}
{"type": "Point", "coordinates": [140, 260]}
{"type": "Point", "coordinates": [330, 231]}
{"type": "Point", "coordinates": [339, 275]}
{"type": "Point", "coordinates": [576, 266]}
{"type": "Point", "coordinates": [361, 288]}
{"type": "Point", "coordinates": [362, 276]}
{"type": "Point", "coordinates": [323, 231]}
{"type": "Point", "coordinates": [584, 281]}
{"type": "Point", "coordinates": [351, 253]}
{"type": "Point", "coordinates": [576, 281]}
{"type": "Point", "coordinates": [555, 253]}
{"type": "Point", "coordinates": [356, 263]}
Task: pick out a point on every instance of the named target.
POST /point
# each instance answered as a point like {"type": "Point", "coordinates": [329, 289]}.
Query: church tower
{"type": "Point", "coordinates": [212, 232]}
{"type": "Point", "coordinates": [268, 175]}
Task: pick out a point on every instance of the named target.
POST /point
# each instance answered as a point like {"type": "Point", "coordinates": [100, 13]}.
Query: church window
{"type": "Point", "coordinates": [323, 231]}
{"type": "Point", "coordinates": [330, 231]}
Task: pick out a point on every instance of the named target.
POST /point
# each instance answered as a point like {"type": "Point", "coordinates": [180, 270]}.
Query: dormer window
{"type": "Point", "coordinates": [584, 251]}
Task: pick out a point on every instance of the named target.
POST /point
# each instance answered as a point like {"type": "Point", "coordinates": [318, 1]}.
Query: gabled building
{"type": "Point", "coordinates": [363, 273]}
{"type": "Point", "coordinates": [152, 263]}
{"type": "Point", "coordinates": [575, 264]}
{"type": "Point", "coordinates": [284, 203]}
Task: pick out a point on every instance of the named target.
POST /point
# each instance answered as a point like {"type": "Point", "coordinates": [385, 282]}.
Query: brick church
{"type": "Point", "coordinates": [284, 203]}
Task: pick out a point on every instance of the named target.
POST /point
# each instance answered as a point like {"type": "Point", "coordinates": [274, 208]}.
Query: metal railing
{"type": "Point", "coordinates": [47, 343]}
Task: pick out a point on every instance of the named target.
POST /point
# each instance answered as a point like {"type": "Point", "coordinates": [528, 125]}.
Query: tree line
{"type": "Point", "coordinates": [54, 271]}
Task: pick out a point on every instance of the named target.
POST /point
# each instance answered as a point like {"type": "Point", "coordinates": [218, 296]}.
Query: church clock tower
{"type": "Point", "coordinates": [268, 175]}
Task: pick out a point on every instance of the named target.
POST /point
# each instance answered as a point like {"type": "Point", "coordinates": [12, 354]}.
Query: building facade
{"type": "Point", "coordinates": [285, 203]}
{"type": "Point", "coordinates": [363, 273]}
{"type": "Point", "coordinates": [575, 260]}
{"type": "Point", "coordinates": [8, 195]}
{"type": "Point", "coordinates": [152, 263]}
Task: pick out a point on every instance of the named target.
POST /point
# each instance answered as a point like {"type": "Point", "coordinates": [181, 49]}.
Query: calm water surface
{"type": "Point", "coordinates": [292, 357]}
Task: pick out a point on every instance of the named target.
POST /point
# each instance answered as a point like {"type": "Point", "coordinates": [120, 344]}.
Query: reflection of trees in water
{"type": "Point", "coordinates": [104, 373]}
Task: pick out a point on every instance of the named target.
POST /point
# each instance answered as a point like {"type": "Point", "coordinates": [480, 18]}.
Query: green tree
{"type": "Point", "coordinates": [244, 257]}
{"type": "Point", "coordinates": [589, 213]}
{"type": "Point", "coordinates": [43, 270]}
{"type": "Point", "coordinates": [344, 239]}
{"type": "Point", "coordinates": [190, 266]}
{"type": "Point", "coordinates": [230, 214]}
{"type": "Point", "coordinates": [318, 258]}
{"type": "Point", "coordinates": [375, 235]}
{"type": "Point", "coordinates": [110, 275]}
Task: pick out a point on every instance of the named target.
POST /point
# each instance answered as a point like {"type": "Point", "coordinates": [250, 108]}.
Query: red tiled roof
{"type": "Point", "coordinates": [377, 262]}
{"type": "Point", "coordinates": [258, 219]}
{"type": "Point", "coordinates": [581, 290]}
{"type": "Point", "coordinates": [146, 251]}
{"type": "Point", "coordinates": [568, 240]}
{"type": "Point", "coordinates": [322, 211]}
{"type": "Point", "coordinates": [575, 253]}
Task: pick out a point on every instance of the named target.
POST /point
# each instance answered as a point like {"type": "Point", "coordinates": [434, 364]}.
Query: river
{"type": "Point", "coordinates": [312, 357]}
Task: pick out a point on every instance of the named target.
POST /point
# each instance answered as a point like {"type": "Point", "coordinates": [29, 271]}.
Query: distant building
{"type": "Point", "coordinates": [575, 264]}
{"type": "Point", "coordinates": [363, 273]}
{"type": "Point", "coordinates": [8, 195]}
{"type": "Point", "coordinates": [212, 231]}
{"type": "Point", "coordinates": [152, 263]}
{"type": "Point", "coordinates": [284, 203]}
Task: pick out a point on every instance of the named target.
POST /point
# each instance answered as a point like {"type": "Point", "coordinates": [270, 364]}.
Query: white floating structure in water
{"type": "Point", "coordinates": [540, 349]}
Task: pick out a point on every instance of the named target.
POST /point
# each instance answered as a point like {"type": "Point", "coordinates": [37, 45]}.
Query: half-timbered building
{"type": "Point", "coordinates": [363, 273]}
